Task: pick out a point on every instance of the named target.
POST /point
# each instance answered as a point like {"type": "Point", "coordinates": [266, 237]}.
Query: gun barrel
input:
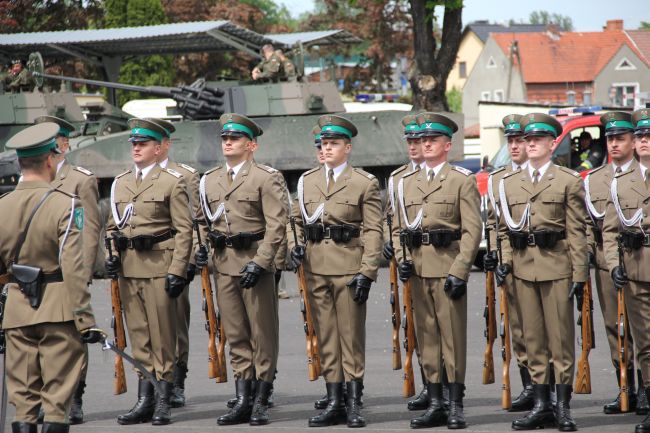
{"type": "Point", "coordinates": [154, 90]}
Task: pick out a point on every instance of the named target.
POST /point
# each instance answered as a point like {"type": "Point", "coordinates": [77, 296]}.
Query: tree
{"type": "Point", "coordinates": [644, 25]}
{"type": "Point", "coordinates": [563, 22]}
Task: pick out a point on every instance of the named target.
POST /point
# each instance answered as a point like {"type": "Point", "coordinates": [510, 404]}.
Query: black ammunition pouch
{"type": "Point", "coordinates": [339, 233]}
{"type": "Point", "coordinates": [240, 241]}
{"type": "Point", "coordinates": [32, 281]}
{"type": "Point", "coordinates": [140, 242]}
{"type": "Point", "coordinates": [544, 239]}
{"type": "Point", "coordinates": [410, 238]}
{"type": "Point", "coordinates": [598, 236]}
{"type": "Point", "coordinates": [633, 240]}
{"type": "Point", "coordinates": [439, 238]}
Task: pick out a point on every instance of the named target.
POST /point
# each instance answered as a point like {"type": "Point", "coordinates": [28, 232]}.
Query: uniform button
{"type": "Point", "coordinates": [132, 226]}
{"type": "Point", "coordinates": [426, 200]}
{"type": "Point", "coordinates": [133, 200]}
{"type": "Point", "coordinates": [532, 212]}
{"type": "Point", "coordinates": [327, 198]}
{"type": "Point", "coordinates": [425, 215]}
{"type": "Point", "coordinates": [324, 213]}
{"type": "Point", "coordinates": [227, 210]}
{"type": "Point", "coordinates": [532, 200]}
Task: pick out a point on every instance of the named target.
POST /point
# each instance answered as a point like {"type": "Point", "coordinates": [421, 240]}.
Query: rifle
{"type": "Point", "coordinates": [313, 356]}
{"type": "Point", "coordinates": [489, 312]}
{"type": "Point", "coordinates": [117, 323]}
{"type": "Point", "coordinates": [583, 376]}
{"type": "Point", "coordinates": [504, 333]}
{"type": "Point", "coordinates": [623, 326]}
{"type": "Point", "coordinates": [3, 359]}
{"type": "Point", "coordinates": [409, 335]}
{"type": "Point", "coordinates": [394, 301]}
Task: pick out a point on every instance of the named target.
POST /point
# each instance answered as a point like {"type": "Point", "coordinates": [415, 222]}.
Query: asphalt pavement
{"type": "Point", "coordinates": [385, 409]}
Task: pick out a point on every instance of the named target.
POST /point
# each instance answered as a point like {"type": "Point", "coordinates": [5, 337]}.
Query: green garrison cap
{"type": "Point", "coordinates": [433, 125]}
{"type": "Point", "coordinates": [165, 124]}
{"type": "Point", "coordinates": [641, 121]}
{"type": "Point", "coordinates": [35, 140]}
{"type": "Point", "coordinates": [336, 127]}
{"type": "Point", "coordinates": [540, 124]}
{"type": "Point", "coordinates": [411, 127]}
{"type": "Point", "coordinates": [316, 133]}
{"type": "Point", "coordinates": [145, 130]}
{"type": "Point", "coordinates": [236, 125]}
{"type": "Point", "coordinates": [65, 127]}
{"type": "Point", "coordinates": [617, 122]}
{"type": "Point", "coordinates": [512, 125]}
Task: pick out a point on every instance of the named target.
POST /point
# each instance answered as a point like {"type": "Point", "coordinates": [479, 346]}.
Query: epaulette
{"type": "Point", "coordinates": [313, 170]}
{"type": "Point", "coordinates": [212, 169]}
{"type": "Point", "coordinates": [411, 173]}
{"type": "Point", "coordinates": [173, 173]}
{"type": "Point", "coordinates": [463, 170]}
{"type": "Point", "coordinates": [512, 173]}
{"type": "Point", "coordinates": [597, 169]}
{"type": "Point", "coordinates": [364, 173]}
{"type": "Point", "coordinates": [569, 171]}
{"type": "Point", "coordinates": [1, 196]}
{"type": "Point", "coordinates": [623, 173]}
{"type": "Point", "coordinates": [83, 170]}
{"type": "Point", "coordinates": [188, 168]}
{"type": "Point", "coordinates": [66, 193]}
{"type": "Point", "coordinates": [122, 174]}
{"type": "Point", "coordinates": [399, 170]}
{"type": "Point", "coordinates": [498, 170]}
{"type": "Point", "coordinates": [266, 168]}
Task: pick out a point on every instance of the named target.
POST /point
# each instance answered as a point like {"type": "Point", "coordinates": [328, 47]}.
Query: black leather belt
{"type": "Point", "coordinates": [439, 238]}
{"type": "Point", "coordinates": [240, 241]}
{"type": "Point", "coordinates": [337, 232]}
{"type": "Point", "coordinates": [544, 239]}
{"type": "Point", "coordinates": [141, 242]}
{"type": "Point", "coordinates": [635, 240]}
{"type": "Point", "coordinates": [598, 236]}
{"type": "Point", "coordinates": [54, 277]}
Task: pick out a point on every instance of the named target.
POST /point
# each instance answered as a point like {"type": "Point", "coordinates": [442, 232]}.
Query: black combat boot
{"type": "Point", "coordinates": [614, 407]}
{"type": "Point", "coordinates": [551, 382]}
{"type": "Point", "coordinates": [456, 419]}
{"type": "Point", "coordinates": [144, 407]}
{"type": "Point", "coordinates": [76, 412]}
{"type": "Point", "coordinates": [525, 401]}
{"type": "Point", "coordinates": [435, 414]}
{"type": "Point", "coordinates": [445, 387]}
{"type": "Point", "coordinates": [322, 402]}
{"type": "Point", "coordinates": [260, 413]}
{"type": "Point", "coordinates": [334, 412]}
{"type": "Point", "coordinates": [562, 410]}
{"type": "Point", "coordinates": [355, 391]}
{"type": "Point", "coordinates": [55, 427]}
{"type": "Point", "coordinates": [541, 415]}
{"type": "Point", "coordinates": [644, 427]}
{"type": "Point", "coordinates": [642, 406]}
{"type": "Point", "coordinates": [163, 413]}
{"type": "Point", "coordinates": [23, 427]}
{"type": "Point", "coordinates": [233, 401]}
{"type": "Point", "coordinates": [421, 402]}
{"type": "Point", "coordinates": [241, 411]}
{"type": "Point", "coordinates": [178, 392]}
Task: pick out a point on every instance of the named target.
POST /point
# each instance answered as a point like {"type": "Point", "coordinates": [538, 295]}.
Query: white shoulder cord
{"type": "Point", "coordinates": [493, 201]}
{"type": "Point", "coordinates": [417, 221]}
{"type": "Point", "coordinates": [593, 213]}
{"type": "Point", "coordinates": [221, 208]}
{"type": "Point", "coordinates": [637, 218]}
{"type": "Point", "coordinates": [301, 201]}
{"type": "Point", "coordinates": [128, 210]}
{"type": "Point", "coordinates": [67, 230]}
{"type": "Point", "coordinates": [391, 193]}
{"type": "Point", "coordinates": [512, 225]}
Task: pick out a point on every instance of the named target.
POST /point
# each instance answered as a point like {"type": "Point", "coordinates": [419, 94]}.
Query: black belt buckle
{"type": "Point", "coordinates": [426, 238]}
{"type": "Point", "coordinates": [530, 241]}
{"type": "Point", "coordinates": [327, 233]}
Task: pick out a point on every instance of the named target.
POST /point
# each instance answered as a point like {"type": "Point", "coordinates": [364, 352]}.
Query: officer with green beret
{"type": "Point", "coordinates": [150, 226]}
{"type": "Point", "coordinates": [45, 326]}
{"type": "Point", "coordinates": [543, 208]}
{"type": "Point", "coordinates": [338, 212]}
{"type": "Point", "coordinates": [245, 207]}
{"type": "Point", "coordinates": [624, 221]}
{"type": "Point", "coordinates": [439, 207]}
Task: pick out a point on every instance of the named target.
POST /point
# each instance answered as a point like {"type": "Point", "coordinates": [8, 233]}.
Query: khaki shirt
{"type": "Point", "coordinates": [161, 203]}
{"type": "Point", "coordinates": [556, 203]}
{"type": "Point", "coordinates": [354, 200]}
{"type": "Point", "coordinates": [53, 242]}
{"type": "Point", "coordinates": [450, 201]}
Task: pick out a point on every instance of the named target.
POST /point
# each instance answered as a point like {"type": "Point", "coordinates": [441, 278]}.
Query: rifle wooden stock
{"type": "Point", "coordinates": [504, 332]}
{"type": "Point", "coordinates": [120, 337]}
{"type": "Point", "coordinates": [210, 323]}
{"type": "Point", "coordinates": [222, 371]}
{"type": "Point", "coordinates": [409, 342]}
{"type": "Point", "coordinates": [490, 329]}
{"type": "Point", "coordinates": [313, 356]}
{"type": "Point", "coordinates": [396, 317]}
{"type": "Point", "coordinates": [4, 279]}
{"type": "Point", "coordinates": [583, 376]}
{"type": "Point", "coordinates": [623, 350]}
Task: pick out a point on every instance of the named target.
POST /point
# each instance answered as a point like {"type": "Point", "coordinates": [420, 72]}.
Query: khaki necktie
{"type": "Point", "coordinates": [535, 177]}
{"type": "Point", "coordinates": [231, 176]}
{"type": "Point", "coordinates": [138, 179]}
{"type": "Point", "coordinates": [430, 175]}
{"type": "Point", "coordinates": [618, 170]}
{"type": "Point", "coordinates": [330, 180]}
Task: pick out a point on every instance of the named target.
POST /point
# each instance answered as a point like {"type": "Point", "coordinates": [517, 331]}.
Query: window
{"type": "Point", "coordinates": [491, 64]}
{"type": "Point", "coordinates": [571, 97]}
{"type": "Point", "coordinates": [624, 94]}
{"type": "Point", "coordinates": [462, 69]}
{"type": "Point", "coordinates": [498, 95]}
{"type": "Point", "coordinates": [625, 65]}
{"type": "Point", "coordinates": [485, 96]}
{"type": "Point", "coordinates": [586, 97]}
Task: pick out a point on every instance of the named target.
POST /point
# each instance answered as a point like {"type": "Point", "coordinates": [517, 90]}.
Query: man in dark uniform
{"type": "Point", "coordinates": [338, 211]}
{"type": "Point", "coordinates": [45, 325]}
{"type": "Point", "coordinates": [589, 153]}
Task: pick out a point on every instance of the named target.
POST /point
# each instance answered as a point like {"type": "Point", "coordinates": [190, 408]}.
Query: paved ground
{"type": "Point", "coordinates": [386, 410]}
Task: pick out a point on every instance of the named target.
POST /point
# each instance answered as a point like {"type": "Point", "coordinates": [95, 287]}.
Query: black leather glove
{"type": "Point", "coordinates": [297, 255]}
{"type": "Point", "coordinates": [455, 288]}
{"type": "Point", "coordinates": [405, 270]}
{"type": "Point", "coordinates": [112, 265]}
{"type": "Point", "coordinates": [174, 285]}
{"type": "Point", "coordinates": [90, 336]}
{"type": "Point", "coordinates": [361, 285]}
{"type": "Point", "coordinates": [388, 252]}
{"type": "Point", "coordinates": [490, 261]}
{"type": "Point", "coordinates": [201, 257]}
{"type": "Point", "coordinates": [191, 272]}
{"type": "Point", "coordinates": [252, 272]}
{"type": "Point", "coordinates": [278, 276]}
{"type": "Point", "coordinates": [620, 277]}
{"type": "Point", "coordinates": [502, 272]}
{"type": "Point", "coordinates": [577, 290]}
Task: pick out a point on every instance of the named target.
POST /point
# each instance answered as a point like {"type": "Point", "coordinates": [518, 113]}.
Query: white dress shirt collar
{"type": "Point", "coordinates": [163, 163]}
{"type": "Point", "coordinates": [642, 169]}
{"type": "Point", "coordinates": [541, 170]}
{"type": "Point", "coordinates": [435, 170]}
{"type": "Point", "coordinates": [236, 168]}
{"type": "Point", "coordinates": [337, 171]}
{"type": "Point", "coordinates": [624, 167]}
{"type": "Point", "coordinates": [145, 171]}
{"type": "Point", "coordinates": [414, 165]}
{"type": "Point", "coordinates": [516, 166]}
{"type": "Point", "coordinates": [59, 165]}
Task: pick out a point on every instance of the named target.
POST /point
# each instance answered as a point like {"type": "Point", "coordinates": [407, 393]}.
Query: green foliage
{"type": "Point", "coordinates": [644, 25]}
{"type": "Point", "coordinates": [274, 14]}
{"type": "Point", "coordinates": [455, 100]}
{"type": "Point", "coordinates": [564, 23]}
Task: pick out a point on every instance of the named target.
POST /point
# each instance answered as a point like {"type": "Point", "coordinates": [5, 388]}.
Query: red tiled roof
{"type": "Point", "coordinates": [473, 131]}
{"type": "Point", "coordinates": [641, 39]}
{"type": "Point", "coordinates": [565, 57]}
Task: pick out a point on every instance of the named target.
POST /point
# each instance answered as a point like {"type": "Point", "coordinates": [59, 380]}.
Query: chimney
{"type": "Point", "coordinates": [613, 25]}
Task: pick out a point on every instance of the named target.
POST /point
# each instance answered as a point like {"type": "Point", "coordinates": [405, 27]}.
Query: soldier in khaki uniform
{"type": "Point", "coordinates": [519, 161]}
{"type": "Point", "coordinates": [269, 68]}
{"type": "Point", "coordinates": [619, 132]}
{"type": "Point", "coordinates": [288, 68]}
{"type": "Point", "coordinates": [544, 213]}
{"type": "Point", "coordinates": [245, 205]}
{"type": "Point", "coordinates": [439, 206]}
{"type": "Point", "coordinates": [45, 329]}
{"type": "Point", "coordinates": [625, 217]}
{"type": "Point", "coordinates": [338, 212]}
{"type": "Point", "coordinates": [151, 229]}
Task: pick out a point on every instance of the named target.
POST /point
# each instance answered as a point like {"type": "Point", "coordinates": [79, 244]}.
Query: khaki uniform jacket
{"type": "Point", "coordinates": [81, 182]}
{"type": "Point", "coordinates": [52, 238]}
{"type": "Point", "coordinates": [496, 176]}
{"type": "Point", "coordinates": [451, 201]}
{"type": "Point", "coordinates": [354, 200]}
{"type": "Point", "coordinates": [632, 195]}
{"type": "Point", "coordinates": [192, 179]}
{"type": "Point", "coordinates": [160, 203]}
{"type": "Point", "coordinates": [557, 202]}
{"type": "Point", "coordinates": [396, 175]}
{"type": "Point", "coordinates": [256, 201]}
